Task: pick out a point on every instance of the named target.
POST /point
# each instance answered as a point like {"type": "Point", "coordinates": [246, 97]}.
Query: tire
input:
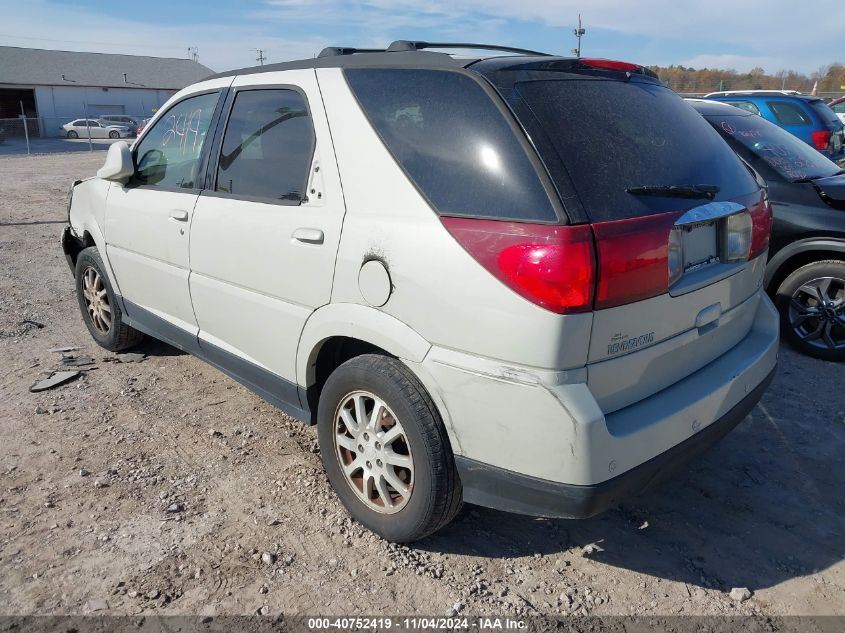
{"type": "Point", "coordinates": [72, 134]}
{"type": "Point", "coordinates": [104, 323]}
{"type": "Point", "coordinates": [433, 495]}
{"type": "Point", "coordinates": [811, 302]}
{"type": "Point", "coordinates": [114, 134]}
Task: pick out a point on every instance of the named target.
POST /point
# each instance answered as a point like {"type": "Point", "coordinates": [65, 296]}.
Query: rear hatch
{"type": "Point", "coordinates": [680, 224]}
{"type": "Point", "coordinates": [836, 139]}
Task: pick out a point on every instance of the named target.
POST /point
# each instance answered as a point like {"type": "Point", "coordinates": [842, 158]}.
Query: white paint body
{"type": "Point", "coordinates": [518, 387]}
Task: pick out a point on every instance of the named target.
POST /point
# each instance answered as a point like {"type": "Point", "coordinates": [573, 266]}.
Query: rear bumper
{"type": "Point", "coordinates": [538, 442]}
{"type": "Point", "coordinates": [513, 492]}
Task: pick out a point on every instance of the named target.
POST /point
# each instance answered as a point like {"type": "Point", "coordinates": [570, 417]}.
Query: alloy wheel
{"type": "Point", "coordinates": [96, 300]}
{"type": "Point", "coordinates": [374, 452]}
{"type": "Point", "coordinates": [817, 313]}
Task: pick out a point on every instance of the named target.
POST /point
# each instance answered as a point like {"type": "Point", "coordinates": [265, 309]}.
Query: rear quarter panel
{"type": "Point", "coordinates": [437, 288]}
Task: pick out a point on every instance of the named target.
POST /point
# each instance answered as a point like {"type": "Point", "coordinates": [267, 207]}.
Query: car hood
{"type": "Point", "coordinates": [832, 187]}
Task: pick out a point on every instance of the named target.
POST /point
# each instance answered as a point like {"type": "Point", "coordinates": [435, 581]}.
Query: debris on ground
{"type": "Point", "coordinates": [130, 357]}
{"type": "Point", "coordinates": [69, 360]}
{"type": "Point", "coordinates": [740, 594]}
{"type": "Point", "coordinates": [55, 379]}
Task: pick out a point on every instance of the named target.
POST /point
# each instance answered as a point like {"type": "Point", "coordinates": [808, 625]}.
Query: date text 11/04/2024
{"type": "Point", "coordinates": [416, 623]}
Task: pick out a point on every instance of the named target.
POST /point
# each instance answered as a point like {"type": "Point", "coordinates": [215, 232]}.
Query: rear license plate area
{"type": "Point", "coordinates": [700, 245]}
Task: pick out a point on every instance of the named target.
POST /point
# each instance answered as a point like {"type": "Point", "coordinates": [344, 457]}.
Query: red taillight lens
{"type": "Point", "coordinates": [761, 218]}
{"type": "Point", "coordinates": [608, 64]}
{"type": "Point", "coordinates": [553, 266]}
{"type": "Point", "coordinates": [821, 139]}
{"type": "Point", "coordinates": [633, 259]}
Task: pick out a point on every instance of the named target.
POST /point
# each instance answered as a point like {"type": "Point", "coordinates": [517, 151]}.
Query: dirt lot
{"type": "Point", "coordinates": [162, 486]}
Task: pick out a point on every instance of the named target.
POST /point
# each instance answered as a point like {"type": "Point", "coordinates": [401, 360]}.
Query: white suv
{"type": "Point", "coordinates": [523, 281]}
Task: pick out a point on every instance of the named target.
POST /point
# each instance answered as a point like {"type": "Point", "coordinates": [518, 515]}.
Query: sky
{"type": "Point", "coordinates": [739, 34]}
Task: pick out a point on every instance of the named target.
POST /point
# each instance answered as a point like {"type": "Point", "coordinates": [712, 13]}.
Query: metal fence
{"type": "Point", "coordinates": [93, 129]}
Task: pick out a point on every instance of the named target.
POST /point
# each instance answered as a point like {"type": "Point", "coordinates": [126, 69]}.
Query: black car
{"type": "Point", "coordinates": [806, 270]}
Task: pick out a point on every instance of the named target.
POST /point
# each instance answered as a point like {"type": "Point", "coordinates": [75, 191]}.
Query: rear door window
{"type": "Point", "coordinates": [267, 147]}
{"type": "Point", "coordinates": [603, 136]}
{"type": "Point", "coordinates": [788, 113]}
{"type": "Point", "coordinates": [453, 142]}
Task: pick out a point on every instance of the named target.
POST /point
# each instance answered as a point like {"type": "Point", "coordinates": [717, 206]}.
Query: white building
{"type": "Point", "coordinates": [55, 87]}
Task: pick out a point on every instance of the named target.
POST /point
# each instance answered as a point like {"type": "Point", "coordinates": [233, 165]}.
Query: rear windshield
{"type": "Point", "coordinates": [826, 113]}
{"type": "Point", "coordinates": [453, 142]}
{"type": "Point", "coordinates": [602, 136]}
{"type": "Point", "coordinates": [789, 156]}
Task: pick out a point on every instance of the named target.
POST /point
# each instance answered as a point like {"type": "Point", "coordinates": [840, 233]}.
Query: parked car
{"type": "Point", "coordinates": [96, 128]}
{"type": "Point", "coordinates": [141, 125]}
{"type": "Point", "coordinates": [838, 107]}
{"type": "Point", "coordinates": [809, 118]}
{"type": "Point", "coordinates": [545, 294]}
{"type": "Point", "coordinates": [123, 119]}
{"type": "Point", "coordinates": [806, 269]}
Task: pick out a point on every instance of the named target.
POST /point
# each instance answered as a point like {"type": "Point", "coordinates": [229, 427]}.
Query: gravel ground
{"type": "Point", "coordinates": [162, 486]}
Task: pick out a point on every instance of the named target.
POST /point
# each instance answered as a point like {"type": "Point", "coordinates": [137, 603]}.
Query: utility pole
{"type": "Point", "coordinates": [260, 59]}
{"type": "Point", "coordinates": [194, 53]}
{"type": "Point", "coordinates": [579, 32]}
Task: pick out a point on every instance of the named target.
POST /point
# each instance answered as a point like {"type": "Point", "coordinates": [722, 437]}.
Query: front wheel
{"type": "Point", "coordinates": [72, 134]}
{"type": "Point", "coordinates": [385, 449]}
{"type": "Point", "coordinates": [98, 304]}
{"type": "Point", "coordinates": [114, 134]}
{"type": "Point", "coordinates": [811, 302]}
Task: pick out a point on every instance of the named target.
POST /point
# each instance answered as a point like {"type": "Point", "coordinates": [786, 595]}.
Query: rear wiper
{"type": "Point", "coordinates": [675, 191]}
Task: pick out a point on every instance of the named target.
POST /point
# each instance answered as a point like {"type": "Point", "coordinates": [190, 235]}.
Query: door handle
{"type": "Point", "coordinates": [309, 236]}
{"type": "Point", "coordinates": [180, 215]}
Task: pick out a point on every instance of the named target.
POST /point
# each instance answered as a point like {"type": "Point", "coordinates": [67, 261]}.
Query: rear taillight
{"type": "Point", "coordinates": [761, 220]}
{"type": "Point", "coordinates": [569, 269]}
{"type": "Point", "coordinates": [633, 259]}
{"type": "Point", "coordinates": [553, 266]}
{"type": "Point", "coordinates": [821, 139]}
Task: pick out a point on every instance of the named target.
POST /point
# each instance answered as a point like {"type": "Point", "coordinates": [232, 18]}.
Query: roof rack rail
{"type": "Point", "coordinates": [408, 45]}
{"type": "Point", "coordinates": [335, 51]}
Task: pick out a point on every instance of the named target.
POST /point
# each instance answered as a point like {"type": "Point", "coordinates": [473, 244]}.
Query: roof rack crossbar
{"type": "Point", "coordinates": [407, 45]}
{"type": "Point", "coordinates": [335, 51]}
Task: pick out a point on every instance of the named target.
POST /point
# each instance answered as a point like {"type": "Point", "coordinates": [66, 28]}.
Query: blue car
{"type": "Point", "coordinates": [804, 116]}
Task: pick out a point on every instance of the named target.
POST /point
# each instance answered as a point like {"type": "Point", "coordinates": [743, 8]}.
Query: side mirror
{"type": "Point", "coordinates": [118, 166]}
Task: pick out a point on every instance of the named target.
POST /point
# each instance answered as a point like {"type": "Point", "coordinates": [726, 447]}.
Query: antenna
{"type": "Point", "coordinates": [260, 59]}
{"type": "Point", "coordinates": [579, 32]}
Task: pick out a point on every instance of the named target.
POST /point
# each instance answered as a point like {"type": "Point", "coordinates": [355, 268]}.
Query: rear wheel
{"type": "Point", "coordinates": [72, 134]}
{"type": "Point", "coordinates": [114, 134]}
{"type": "Point", "coordinates": [385, 449]}
{"type": "Point", "coordinates": [98, 304]}
{"type": "Point", "coordinates": [811, 302]}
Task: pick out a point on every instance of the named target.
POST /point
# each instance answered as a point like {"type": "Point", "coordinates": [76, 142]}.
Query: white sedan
{"type": "Point", "coordinates": [81, 128]}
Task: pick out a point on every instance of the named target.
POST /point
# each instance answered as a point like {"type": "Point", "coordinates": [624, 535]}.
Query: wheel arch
{"type": "Point", "coordinates": [337, 332]}
{"type": "Point", "coordinates": [798, 254]}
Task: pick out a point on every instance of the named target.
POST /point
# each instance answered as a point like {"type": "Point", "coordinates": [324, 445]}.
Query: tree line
{"type": "Point", "coordinates": [830, 78]}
